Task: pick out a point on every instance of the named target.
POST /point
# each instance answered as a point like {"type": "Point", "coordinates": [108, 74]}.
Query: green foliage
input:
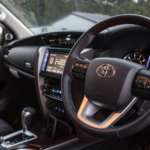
{"type": "Point", "coordinates": [38, 12]}
{"type": "Point", "coordinates": [130, 8]}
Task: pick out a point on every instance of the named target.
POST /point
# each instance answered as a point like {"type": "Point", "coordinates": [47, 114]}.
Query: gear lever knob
{"type": "Point", "coordinates": [26, 117]}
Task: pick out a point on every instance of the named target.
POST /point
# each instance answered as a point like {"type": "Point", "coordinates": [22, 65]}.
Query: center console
{"type": "Point", "coordinates": [52, 67]}
{"type": "Point", "coordinates": [50, 72]}
{"type": "Point", "coordinates": [49, 65]}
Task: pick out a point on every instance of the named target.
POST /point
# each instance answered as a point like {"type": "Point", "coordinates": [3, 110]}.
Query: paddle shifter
{"type": "Point", "coordinates": [26, 118]}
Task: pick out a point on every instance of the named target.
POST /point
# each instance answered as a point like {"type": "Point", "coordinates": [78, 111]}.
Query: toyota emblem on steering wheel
{"type": "Point", "coordinates": [105, 70]}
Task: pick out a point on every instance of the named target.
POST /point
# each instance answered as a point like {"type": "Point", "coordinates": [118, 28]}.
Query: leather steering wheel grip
{"type": "Point", "coordinates": [110, 132]}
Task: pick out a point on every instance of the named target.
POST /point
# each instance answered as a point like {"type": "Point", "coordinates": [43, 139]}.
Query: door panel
{"type": "Point", "coordinates": [9, 94]}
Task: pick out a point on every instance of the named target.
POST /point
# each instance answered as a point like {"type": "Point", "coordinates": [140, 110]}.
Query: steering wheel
{"type": "Point", "coordinates": [110, 83]}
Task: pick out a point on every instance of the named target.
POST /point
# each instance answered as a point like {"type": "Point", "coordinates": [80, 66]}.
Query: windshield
{"type": "Point", "coordinates": [42, 16]}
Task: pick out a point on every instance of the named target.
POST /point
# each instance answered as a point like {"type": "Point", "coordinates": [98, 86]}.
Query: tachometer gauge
{"type": "Point", "coordinates": [137, 58]}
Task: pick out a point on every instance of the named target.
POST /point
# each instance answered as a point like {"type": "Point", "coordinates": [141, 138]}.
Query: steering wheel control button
{"type": "Point", "coordinates": [140, 82]}
{"type": "Point", "coordinates": [79, 70]}
{"type": "Point", "coordinates": [75, 67]}
{"type": "Point", "coordinates": [84, 70]}
{"type": "Point", "coordinates": [148, 85]}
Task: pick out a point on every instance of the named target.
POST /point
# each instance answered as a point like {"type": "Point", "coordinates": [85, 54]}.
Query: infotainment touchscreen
{"type": "Point", "coordinates": [56, 63]}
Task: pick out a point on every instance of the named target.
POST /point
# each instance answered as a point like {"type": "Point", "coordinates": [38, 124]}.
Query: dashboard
{"type": "Point", "coordinates": [43, 57]}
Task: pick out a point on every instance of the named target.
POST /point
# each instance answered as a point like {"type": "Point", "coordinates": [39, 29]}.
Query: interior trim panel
{"type": "Point", "coordinates": [39, 81]}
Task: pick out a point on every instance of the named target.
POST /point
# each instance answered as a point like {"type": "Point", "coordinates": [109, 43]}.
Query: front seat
{"type": "Point", "coordinates": [5, 128]}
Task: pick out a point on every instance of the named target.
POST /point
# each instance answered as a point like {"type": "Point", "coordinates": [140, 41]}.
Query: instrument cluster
{"type": "Point", "coordinates": [138, 58]}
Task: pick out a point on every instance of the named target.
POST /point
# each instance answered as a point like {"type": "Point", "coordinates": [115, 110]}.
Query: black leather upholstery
{"type": "Point", "coordinates": [5, 128]}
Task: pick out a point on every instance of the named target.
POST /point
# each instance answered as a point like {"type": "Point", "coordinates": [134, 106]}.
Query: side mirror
{"type": "Point", "coordinates": [2, 35]}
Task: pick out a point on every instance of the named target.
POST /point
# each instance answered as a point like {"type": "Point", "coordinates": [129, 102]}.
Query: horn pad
{"type": "Point", "coordinates": [109, 81]}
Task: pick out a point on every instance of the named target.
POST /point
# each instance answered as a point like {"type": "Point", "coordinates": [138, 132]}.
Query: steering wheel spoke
{"type": "Point", "coordinates": [79, 69]}
{"type": "Point", "coordinates": [88, 109]}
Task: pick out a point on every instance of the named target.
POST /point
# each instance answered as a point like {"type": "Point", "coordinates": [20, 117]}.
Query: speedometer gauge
{"type": "Point", "coordinates": [137, 58]}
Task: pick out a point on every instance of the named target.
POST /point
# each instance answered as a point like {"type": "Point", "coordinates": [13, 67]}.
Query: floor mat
{"type": "Point", "coordinates": [139, 144]}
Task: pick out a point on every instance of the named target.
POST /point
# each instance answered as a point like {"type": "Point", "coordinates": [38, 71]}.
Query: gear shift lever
{"type": "Point", "coordinates": [26, 117]}
{"type": "Point", "coordinates": [20, 137]}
